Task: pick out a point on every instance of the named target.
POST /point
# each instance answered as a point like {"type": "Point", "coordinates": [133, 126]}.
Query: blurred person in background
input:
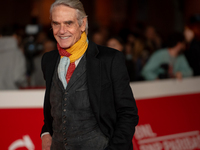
{"type": "Point", "coordinates": [130, 39]}
{"type": "Point", "coordinates": [136, 55]}
{"type": "Point", "coordinates": [36, 78]}
{"type": "Point", "coordinates": [88, 103]}
{"type": "Point", "coordinates": [12, 61]}
{"type": "Point", "coordinates": [116, 43]}
{"type": "Point", "coordinates": [33, 46]}
{"type": "Point", "coordinates": [130, 64]}
{"type": "Point", "coordinates": [100, 35]}
{"type": "Point", "coordinates": [192, 53]}
{"type": "Point", "coordinates": [168, 62]}
{"type": "Point", "coordinates": [140, 57]}
{"type": "Point", "coordinates": [98, 38]}
{"type": "Point", "coordinates": [153, 40]}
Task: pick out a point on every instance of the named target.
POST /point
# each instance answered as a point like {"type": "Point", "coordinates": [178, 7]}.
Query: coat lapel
{"type": "Point", "coordinates": [93, 76]}
{"type": "Point", "coordinates": [78, 72]}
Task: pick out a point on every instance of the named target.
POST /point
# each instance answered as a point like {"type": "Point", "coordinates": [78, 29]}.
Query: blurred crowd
{"type": "Point", "coordinates": [148, 56]}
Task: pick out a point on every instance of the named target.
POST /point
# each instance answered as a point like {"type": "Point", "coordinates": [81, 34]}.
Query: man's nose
{"type": "Point", "coordinates": [63, 29]}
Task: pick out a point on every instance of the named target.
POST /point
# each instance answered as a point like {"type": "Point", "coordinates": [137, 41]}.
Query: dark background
{"type": "Point", "coordinates": [165, 15]}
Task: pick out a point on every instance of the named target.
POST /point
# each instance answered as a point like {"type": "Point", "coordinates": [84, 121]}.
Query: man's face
{"type": "Point", "coordinates": [65, 26]}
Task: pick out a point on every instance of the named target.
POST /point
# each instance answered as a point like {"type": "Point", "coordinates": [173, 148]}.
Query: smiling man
{"type": "Point", "coordinates": [88, 103]}
{"type": "Point", "coordinates": [66, 28]}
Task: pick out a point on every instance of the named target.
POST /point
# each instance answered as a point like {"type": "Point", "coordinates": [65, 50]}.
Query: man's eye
{"type": "Point", "coordinates": [55, 23]}
{"type": "Point", "coordinates": [69, 23]}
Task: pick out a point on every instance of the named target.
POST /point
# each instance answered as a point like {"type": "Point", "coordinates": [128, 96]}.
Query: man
{"type": "Point", "coordinates": [168, 62]}
{"type": "Point", "coordinates": [88, 101]}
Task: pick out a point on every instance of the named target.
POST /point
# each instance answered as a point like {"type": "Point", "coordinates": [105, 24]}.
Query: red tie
{"type": "Point", "coordinates": [71, 67]}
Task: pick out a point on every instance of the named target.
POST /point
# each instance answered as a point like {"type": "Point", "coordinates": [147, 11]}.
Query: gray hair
{"type": "Point", "coordinates": [75, 4]}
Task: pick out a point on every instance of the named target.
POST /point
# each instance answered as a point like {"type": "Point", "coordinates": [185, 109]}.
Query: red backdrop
{"type": "Point", "coordinates": [165, 123]}
{"type": "Point", "coordinates": [168, 123]}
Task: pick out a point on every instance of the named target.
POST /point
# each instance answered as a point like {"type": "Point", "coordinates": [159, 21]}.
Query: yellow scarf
{"type": "Point", "coordinates": [78, 49]}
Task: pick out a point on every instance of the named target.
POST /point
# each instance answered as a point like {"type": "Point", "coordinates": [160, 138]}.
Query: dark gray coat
{"type": "Point", "coordinates": [110, 95]}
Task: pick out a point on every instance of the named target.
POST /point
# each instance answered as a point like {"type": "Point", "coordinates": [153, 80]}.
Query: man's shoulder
{"type": "Point", "coordinates": [51, 54]}
{"type": "Point", "coordinates": [107, 52]}
{"type": "Point", "coordinates": [50, 57]}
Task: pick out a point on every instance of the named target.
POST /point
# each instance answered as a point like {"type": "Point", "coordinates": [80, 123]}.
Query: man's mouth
{"type": "Point", "coordinates": [66, 37]}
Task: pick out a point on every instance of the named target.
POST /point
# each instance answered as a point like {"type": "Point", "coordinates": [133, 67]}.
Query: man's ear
{"type": "Point", "coordinates": [83, 26]}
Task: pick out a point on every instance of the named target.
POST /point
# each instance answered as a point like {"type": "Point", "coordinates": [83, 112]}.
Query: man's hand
{"type": "Point", "coordinates": [46, 142]}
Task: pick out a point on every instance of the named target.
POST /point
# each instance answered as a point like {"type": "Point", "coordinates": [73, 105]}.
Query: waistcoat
{"type": "Point", "coordinates": [74, 123]}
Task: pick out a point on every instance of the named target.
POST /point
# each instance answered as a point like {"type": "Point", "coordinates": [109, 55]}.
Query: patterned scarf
{"type": "Point", "coordinates": [68, 57]}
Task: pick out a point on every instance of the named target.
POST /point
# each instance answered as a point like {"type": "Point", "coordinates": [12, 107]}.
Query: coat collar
{"type": "Point", "coordinates": [92, 50]}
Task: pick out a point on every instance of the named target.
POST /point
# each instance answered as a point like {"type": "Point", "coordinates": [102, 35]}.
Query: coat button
{"type": "Point", "coordinates": [65, 99]}
{"type": "Point", "coordinates": [64, 110]}
{"type": "Point", "coordinates": [64, 133]}
{"type": "Point", "coordinates": [64, 121]}
{"type": "Point", "coordinates": [65, 144]}
{"type": "Point", "coordinates": [65, 104]}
